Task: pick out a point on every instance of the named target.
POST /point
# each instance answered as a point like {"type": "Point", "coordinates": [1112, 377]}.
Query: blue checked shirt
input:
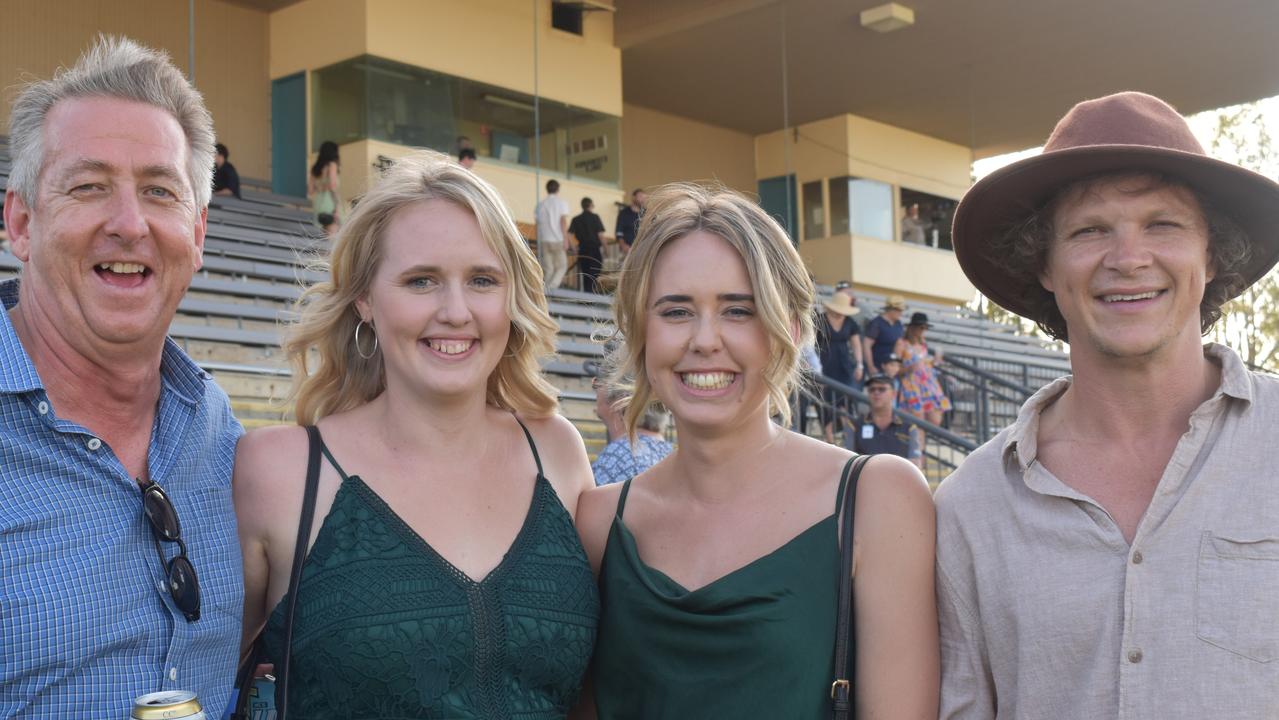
{"type": "Point", "coordinates": [619, 460]}
{"type": "Point", "coordinates": [86, 621]}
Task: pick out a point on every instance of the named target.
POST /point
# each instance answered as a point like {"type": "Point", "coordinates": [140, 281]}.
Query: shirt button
{"type": "Point", "coordinates": [43, 408]}
{"type": "Point", "coordinates": [94, 443]}
{"type": "Point", "coordinates": [163, 587]}
{"type": "Point", "coordinates": [1137, 558]}
{"type": "Point", "coordinates": [173, 673]}
{"type": "Point", "coordinates": [1134, 656]}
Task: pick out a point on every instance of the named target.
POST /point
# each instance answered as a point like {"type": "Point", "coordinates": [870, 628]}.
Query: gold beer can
{"type": "Point", "coordinates": [168, 705]}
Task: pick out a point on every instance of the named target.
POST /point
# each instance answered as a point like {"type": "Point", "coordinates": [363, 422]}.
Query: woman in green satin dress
{"type": "Point", "coordinates": [719, 566]}
{"type": "Point", "coordinates": [444, 577]}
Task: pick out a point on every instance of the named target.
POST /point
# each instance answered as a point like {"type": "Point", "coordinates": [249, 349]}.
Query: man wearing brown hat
{"type": "Point", "coordinates": [1115, 552]}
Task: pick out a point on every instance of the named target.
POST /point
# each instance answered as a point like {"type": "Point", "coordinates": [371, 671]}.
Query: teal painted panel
{"type": "Point", "coordinates": [288, 135]}
{"type": "Point", "coordinates": [777, 197]}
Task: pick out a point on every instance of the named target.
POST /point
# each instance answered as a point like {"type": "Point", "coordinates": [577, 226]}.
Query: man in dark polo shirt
{"type": "Point", "coordinates": [226, 181]}
{"type": "Point", "coordinates": [589, 231]}
{"type": "Point", "coordinates": [880, 432]}
{"type": "Point", "coordinates": [628, 219]}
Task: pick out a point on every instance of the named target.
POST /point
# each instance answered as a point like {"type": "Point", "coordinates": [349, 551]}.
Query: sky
{"type": "Point", "coordinates": [1203, 125]}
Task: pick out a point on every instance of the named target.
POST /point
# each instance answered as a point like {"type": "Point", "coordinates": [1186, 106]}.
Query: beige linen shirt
{"type": "Point", "coordinates": [1047, 612]}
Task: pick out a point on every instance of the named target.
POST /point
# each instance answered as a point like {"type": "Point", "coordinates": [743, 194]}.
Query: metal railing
{"type": "Point", "coordinates": [982, 402]}
{"type": "Point", "coordinates": [847, 407]}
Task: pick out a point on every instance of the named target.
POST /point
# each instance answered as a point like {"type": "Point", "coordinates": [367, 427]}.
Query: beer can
{"type": "Point", "coordinates": [168, 705]}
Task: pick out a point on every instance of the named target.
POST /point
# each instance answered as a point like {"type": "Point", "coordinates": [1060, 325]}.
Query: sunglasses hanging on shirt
{"type": "Point", "coordinates": [179, 573]}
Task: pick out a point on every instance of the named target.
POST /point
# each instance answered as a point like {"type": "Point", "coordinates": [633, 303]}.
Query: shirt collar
{"type": "Point", "coordinates": [18, 374]}
{"type": "Point", "coordinates": [1236, 381]}
{"type": "Point", "coordinates": [871, 419]}
{"type": "Point", "coordinates": [1022, 440]}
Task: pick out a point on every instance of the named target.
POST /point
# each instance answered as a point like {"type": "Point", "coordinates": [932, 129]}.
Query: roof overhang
{"type": "Point", "coordinates": [992, 75]}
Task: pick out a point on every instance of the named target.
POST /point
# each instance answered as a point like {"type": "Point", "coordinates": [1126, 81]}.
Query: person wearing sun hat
{"type": "Point", "coordinates": [1115, 552]}
{"type": "Point", "coordinates": [839, 350]}
{"type": "Point", "coordinates": [882, 333]}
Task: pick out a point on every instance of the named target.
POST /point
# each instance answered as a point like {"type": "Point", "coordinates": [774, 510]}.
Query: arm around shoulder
{"type": "Point", "coordinates": [895, 603]}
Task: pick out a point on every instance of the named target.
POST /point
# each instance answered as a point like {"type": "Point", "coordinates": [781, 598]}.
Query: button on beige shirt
{"type": "Point", "coordinates": [1047, 612]}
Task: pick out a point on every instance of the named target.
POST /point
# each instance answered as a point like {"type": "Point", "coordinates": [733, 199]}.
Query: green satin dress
{"type": "Point", "coordinates": [386, 628]}
{"type": "Point", "coordinates": [758, 642]}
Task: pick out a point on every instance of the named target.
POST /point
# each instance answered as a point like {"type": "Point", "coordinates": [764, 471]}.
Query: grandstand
{"type": "Point", "coordinates": [256, 257]}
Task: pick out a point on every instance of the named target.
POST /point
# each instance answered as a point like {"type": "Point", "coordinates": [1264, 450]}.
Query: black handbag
{"type": "Point", "coordinates": [841, 690]}
{"type": "Point", "coordinates": [244, 677]}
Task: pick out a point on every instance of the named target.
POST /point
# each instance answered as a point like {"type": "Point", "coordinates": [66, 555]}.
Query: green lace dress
{"type": "Point", "coordinates": [758, 642]}
{"type": "Point", "coordinates": [386, 628]}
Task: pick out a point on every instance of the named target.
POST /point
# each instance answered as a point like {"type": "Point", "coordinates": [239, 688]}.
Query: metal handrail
{"type": "Point", "coordinates": [937, 433]}
{"type": "Point", "coordinates": [987, 375]}
{"type": "Point", "coordinates": [978, 383]}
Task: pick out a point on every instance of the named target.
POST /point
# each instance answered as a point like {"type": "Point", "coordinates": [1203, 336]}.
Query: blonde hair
{"type": "Point", "coordinates": [783, 291]}
{"type": "Point", "coordinates": [338, 378]}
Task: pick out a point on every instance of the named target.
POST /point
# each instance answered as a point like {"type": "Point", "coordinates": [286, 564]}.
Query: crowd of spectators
{"type": "Point", "coordinates": [894, 354]}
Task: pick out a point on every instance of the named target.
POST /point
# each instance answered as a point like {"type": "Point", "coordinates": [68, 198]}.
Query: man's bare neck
{"type": "Point", "coordinates": [1126, 401]}
{"type": "Point", "coordinates": [93, 391]}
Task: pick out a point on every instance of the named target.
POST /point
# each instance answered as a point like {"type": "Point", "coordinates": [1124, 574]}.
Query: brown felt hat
{"type": "Point", "coordinates": [1125, 132]}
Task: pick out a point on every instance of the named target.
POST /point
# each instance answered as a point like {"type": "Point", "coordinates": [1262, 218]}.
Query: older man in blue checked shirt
{"type": "Point", "coordinates": [119, 567]}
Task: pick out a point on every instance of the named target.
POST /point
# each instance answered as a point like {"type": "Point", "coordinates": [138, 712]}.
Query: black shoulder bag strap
{"type": "Point", "coordinates": [841, 690]}
{"type": "Point", "coordinates": [244, 678]}
{"type": "Point", "coordinates": [299, 555]}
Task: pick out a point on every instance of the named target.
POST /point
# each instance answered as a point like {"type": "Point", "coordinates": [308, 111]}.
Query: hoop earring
{"type": "Point", "coordinates": [358, 350]}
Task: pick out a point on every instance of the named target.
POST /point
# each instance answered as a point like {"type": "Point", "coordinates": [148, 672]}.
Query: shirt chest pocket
{"type": "Point", "coordinates": [1237, 595]}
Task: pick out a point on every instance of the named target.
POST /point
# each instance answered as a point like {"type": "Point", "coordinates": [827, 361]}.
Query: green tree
{"type": "Point", "coordinates": [1249, 323]}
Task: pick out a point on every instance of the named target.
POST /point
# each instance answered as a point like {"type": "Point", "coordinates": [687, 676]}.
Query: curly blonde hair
{"type": "Point", "coordinates": [781, 285]}
{"type": "Point", "coordinates": [330, 376]}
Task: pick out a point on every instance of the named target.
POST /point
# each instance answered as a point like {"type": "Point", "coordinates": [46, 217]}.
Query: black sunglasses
{"type": "Point", "coordinates": [184, 588]}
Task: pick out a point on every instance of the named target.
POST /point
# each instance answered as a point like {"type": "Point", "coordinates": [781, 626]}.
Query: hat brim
{"type": "Point", "coordinates": [849, 311]}
{"type": "Point", "coordinates": [1007, 196]}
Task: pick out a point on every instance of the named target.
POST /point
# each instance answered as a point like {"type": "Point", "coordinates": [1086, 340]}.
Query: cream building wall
{"type": "Point", "coordinates": [658, 148]}
{"type": "Point", "coordinates": [848, 145]}
{"type": "Point", "coordinates": [231, 49]}
{"type": "Point", "coordinates": [489, 41]}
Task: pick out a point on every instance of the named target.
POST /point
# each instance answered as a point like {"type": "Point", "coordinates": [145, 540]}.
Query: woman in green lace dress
{"type": "Point", "coordinates": [444, 577]}
{"type": "Point", "coordinates": [719, 566]}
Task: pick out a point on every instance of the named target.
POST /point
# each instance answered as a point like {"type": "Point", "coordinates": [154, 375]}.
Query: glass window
{"type": "Point", "coordinates": [814, 210]}
{"type": "Point", "coordinates": [377, 99]}
{"type": "Point", "coordinates": [861, 207]}
{"type": "Point", "coordinates": [839, 206]}
{"type": "Point", "coordinates": [566, 17]}
{"type": "Point", "coordinates": [926, 219]}
{"type": "Point", "coordinates": [337, 104]}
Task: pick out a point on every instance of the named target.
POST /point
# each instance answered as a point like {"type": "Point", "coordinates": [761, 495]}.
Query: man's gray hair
{"type": "Point", "coordinates": [113, 67]}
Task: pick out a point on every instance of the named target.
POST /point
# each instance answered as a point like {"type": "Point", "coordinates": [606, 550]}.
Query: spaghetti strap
{"type": "Point", "coordinates": [329, 456]}
{"type": "Point", "coordinates": [843, 483]}
{"type": "Point", "coordinates": [531, 445]}
{"type": "Point", "coordinates": [621, 501]}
